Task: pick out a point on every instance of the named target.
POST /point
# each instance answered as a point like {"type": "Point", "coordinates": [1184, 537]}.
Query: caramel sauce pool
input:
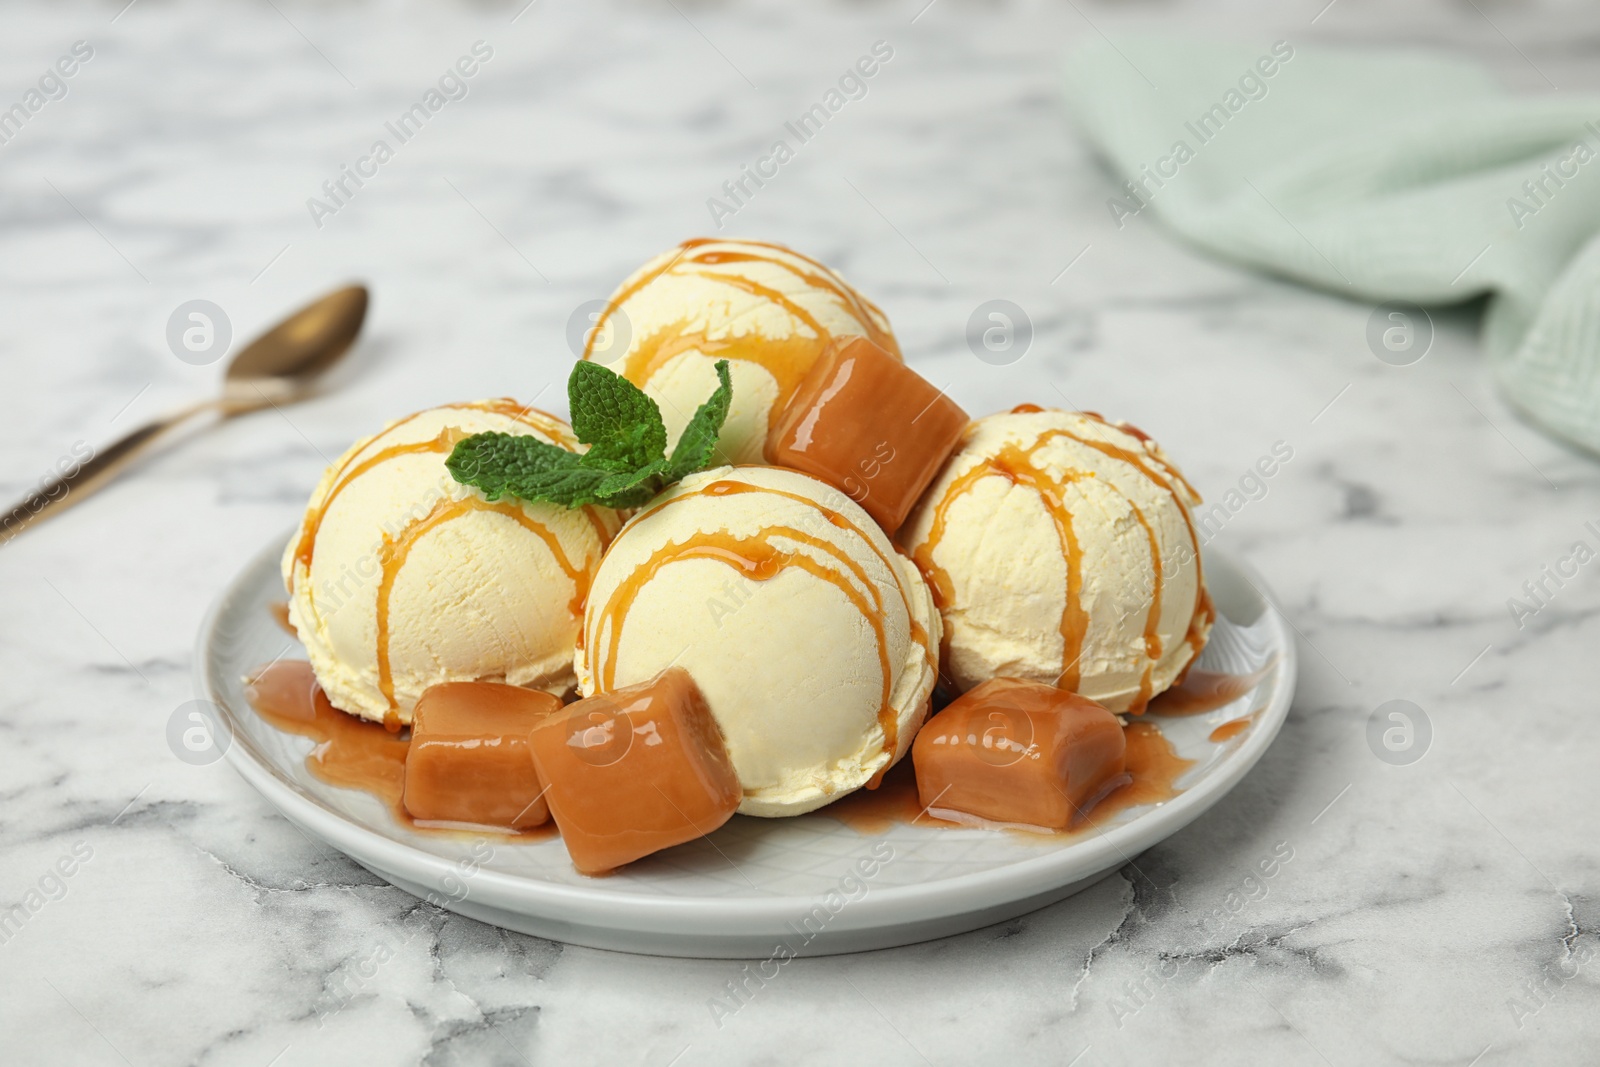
{"type": "Point", "coordinates": [1203, 691]}
{"type": "Point", "coordinates": [354, 753]}
{"type": "Point", "coordinates": [1232, 728]}
{"type": "Point", "coordinates": [1152, 761]}
{"type": "Point", "coordinates": [350, 753]}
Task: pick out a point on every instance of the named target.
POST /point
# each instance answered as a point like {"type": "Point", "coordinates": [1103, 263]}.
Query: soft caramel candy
{"type": "Point", "coordinates": [865, 422]}
{"type": "Point", "coordinates": [469, 759]}
{"type": "Point", "coordinates": [635, 771]}
{"type": "Point", "coordinates": [1019, 753]}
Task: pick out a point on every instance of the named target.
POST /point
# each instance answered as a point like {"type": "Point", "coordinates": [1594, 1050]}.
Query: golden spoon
{"type": "Point", "coordinates": [276, 368]}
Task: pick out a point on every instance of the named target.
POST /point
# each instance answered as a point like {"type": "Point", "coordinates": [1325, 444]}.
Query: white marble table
{"type": "Point", "coordinates": [1422, 904]}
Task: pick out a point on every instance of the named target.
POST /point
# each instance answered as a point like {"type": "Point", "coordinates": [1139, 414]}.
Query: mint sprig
{"type": "Point", "coordinates": [626, 463]}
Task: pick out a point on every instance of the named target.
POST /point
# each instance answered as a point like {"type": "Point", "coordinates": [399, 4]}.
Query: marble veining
{"type": "Point", "coordinates": [1336, 908]}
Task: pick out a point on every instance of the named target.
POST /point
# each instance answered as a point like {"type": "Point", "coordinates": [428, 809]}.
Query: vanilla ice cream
{"type": "Point", "coordinates": [814, 642]}
{"type": "Point", "coordinates": [769, 311]}
{"type": "Point", "coordinates": [401, 578]}
{"type": "Point", "coordinates": [1060, 549]}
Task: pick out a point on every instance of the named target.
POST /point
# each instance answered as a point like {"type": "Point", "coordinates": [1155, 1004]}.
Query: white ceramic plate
{"type": "Point", "coordinates": [810, 883]}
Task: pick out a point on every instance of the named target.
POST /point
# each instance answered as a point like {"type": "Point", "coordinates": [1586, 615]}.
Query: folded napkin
{"type": "Point", "coordinates": [1385, 176]}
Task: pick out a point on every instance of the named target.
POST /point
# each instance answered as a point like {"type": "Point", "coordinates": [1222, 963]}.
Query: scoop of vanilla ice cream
{"type": "Point", "coordinates": [1060, 549]}
{"type": "Point", "coordinates": [767, 310]}
{"type": "Point", "coordinates": [400, 577]}
{"type": "Point", "coordinates": [814, 641]}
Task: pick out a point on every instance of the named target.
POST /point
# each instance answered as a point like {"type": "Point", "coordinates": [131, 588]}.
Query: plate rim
{"type": "Point", "coordinates": [596, 906]}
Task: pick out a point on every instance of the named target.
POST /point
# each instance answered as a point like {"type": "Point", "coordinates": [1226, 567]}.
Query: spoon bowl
{"type": "Point", "coordinates": [287, 358]}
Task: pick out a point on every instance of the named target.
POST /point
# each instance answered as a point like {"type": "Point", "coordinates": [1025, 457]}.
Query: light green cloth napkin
{"type": "Point", "coordinates": [1380, 175]}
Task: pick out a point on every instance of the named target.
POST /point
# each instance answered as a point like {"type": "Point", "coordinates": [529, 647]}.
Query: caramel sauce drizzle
{"type": "Point", "coordinates": [1165, 478]}
{"type": "Point", "coordinates": [351, 468]}
{"type": "Point", "coordinates": [919, 633]}
{"type": "Point", "coordinates": [724, 487]}
{"type": "Point", "coordinates": [754, 288]}
{"type": "Point", "coordinates": [738, 553]}
{"type": "Point", "coordinates": [601, 530]}
{"type": "Point", "coordinates": [1169, 474]}
{"type": "Point", "coordinates": [822, 277]}
{"type": "Point", "coordinates": [1204, 613]}
{"type": "Point", "coordinates": [1152, 618]}
{"type": "Point", "coordinates": [938, 579]}
{"type": "Point", "coordinates": [755, 558]}
{"type": "Point", "coordinates": [396, 549]}
{"type": "Point", "coordinates": [1015, 464]}
{"type": "Point", "coordinates": [313, 524]}
{"type": "Point", "coordinates": [393, 550]}
{"type": "Point", "coordinates": [786, 359]}
{"type": "Point", "coordinates": [836, 518]}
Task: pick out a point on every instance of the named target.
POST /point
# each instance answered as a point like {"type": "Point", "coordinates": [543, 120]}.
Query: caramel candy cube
{"type": "Point", "coordinates": [869, 425]}
{"type": "Point", "coordinates": [1019, 753]}
{"type": "Point", "coordinates": [469, 760]}
{"type": "Point", "coordinates": [635, 771]}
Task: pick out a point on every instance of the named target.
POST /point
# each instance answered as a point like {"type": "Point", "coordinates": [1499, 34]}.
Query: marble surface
{"type": "Point", "coordinates": [1444, 911]}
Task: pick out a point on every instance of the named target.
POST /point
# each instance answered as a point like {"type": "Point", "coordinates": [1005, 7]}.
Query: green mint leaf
{"type": "Point", "coordinates": [632, 488]}
{"type": "Point", "coordinates": [698, 442]}
{"type": "Point", "coordinates": [571, 487]}
{"type": "Point", "coordinates": [499, 462]}
{"type": "Point", "coordinates": [629, 449]}
{"type": "Point", "coordinates": [620, 424]}
{"type": "Point", "coordinates": [626, 463]}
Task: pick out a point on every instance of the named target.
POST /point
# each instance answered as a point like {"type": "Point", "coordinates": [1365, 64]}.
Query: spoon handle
{"type": "Point", "coordinates": [59, 493]}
